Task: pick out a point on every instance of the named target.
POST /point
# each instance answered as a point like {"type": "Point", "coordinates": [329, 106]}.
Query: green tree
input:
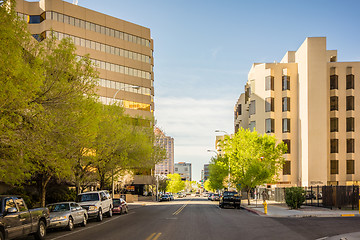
{"type": "Point", "coordinates": [21, 78]}
{"type": "Point", "coordinates": [218, 171]}
{"type": "Point", "coordinates": [254, 159]}
{"type": "Point", "coordinates": [65, 97]}
{"type": "Point", "coordinates": [208, 187]}
{"type": "Point", "coordinates": [175, 184]}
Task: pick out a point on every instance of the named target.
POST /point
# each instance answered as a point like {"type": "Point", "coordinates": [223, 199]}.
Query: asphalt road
{"type": "Point", "coordinates": [198, 218]}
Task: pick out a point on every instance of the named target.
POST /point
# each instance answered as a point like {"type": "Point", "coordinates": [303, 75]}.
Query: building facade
{"type": "Point", "coordinates": [206, 172]}
{"type": "Point", "coordinates": [308, 101]}
{"type": "Point", "coordinates": [184, 169]}
{"type": "Point", "coordinates": [167, 166]}
{"type": "Point", "coordinates": [121, 51]}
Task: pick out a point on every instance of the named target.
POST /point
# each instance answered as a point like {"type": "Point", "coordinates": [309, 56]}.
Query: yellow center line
{"type": "Point", "coordinates": [157, 236]}
{"type": "Point", "coordinates": [180, 209]}
{"type": "Point", "coordinates": [154, 236]}
{"type": "Point", "coordinates": [151, 236]}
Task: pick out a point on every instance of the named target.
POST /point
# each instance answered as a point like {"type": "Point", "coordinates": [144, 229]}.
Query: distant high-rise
{"type": "Point", "coordinates": [167, 165]}
{"type": "Point", "coordinates": [121, 51]}
{"type": "Point", "coordinates": [206, 172]}
{"type": "Point", "coordinates": [308, 101]}
{"type": "Point", "coordinates": [184, 169]}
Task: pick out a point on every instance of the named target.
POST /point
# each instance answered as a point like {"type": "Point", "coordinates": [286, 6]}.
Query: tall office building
{"type": "Point", "coordinates": [308, 100]}
{"type": "Point", "coordinates": [167, 165]}
{"type": "Point", "coordinates": [206, 172]}
{"type": "Point", "coordinates": [122, 51]}
{"type": "Point", "coordinates": [184, 169]}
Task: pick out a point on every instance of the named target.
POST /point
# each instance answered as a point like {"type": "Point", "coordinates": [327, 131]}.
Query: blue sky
{"type": "Point", "coordinates": [203, 51]}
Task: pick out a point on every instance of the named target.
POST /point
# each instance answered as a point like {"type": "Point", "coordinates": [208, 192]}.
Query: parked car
{"type": "Point", "coordinates": [215, 197]}
{"type": "Point", "coordinates": [120, 206]}
{"type": "Point", "coordinates": [16, 220]}
{"type": "Point", "coordinates": [310, 195]}
{"type": "Point", "coordinates": [96, 203]}
{"type": "Point", "coordinates": [171, 197]}
{"type": "Point", "coordinates": [230, 198]}
{"type": "Point", "coordinates": [67, 215]}
{"type": "Point", "coordinates": [164, 197]}
{"type": "Point", "coordinates": [210, 195]}
{"type": "Point", "coordinates": [197, 194]}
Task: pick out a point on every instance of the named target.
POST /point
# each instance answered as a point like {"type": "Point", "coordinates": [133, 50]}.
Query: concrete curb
{"type": "Point", "coordinates": [254, 211]}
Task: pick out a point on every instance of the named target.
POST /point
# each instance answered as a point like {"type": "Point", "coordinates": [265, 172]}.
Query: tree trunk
{"type": "Point", "coordinates": [44, 181]}
{"type": "Point", "coordinates": [248, 196]}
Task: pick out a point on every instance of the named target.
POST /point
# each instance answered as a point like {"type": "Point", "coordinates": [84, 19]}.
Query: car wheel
{"type": "Point", "coordinates": [70, 225]}
{"type": "Point", "coordinates": [110, 213]}
{"type": "Point", "coordinates": [99, 216]}
{"type": "Point", "coordinates": [84, 221]}
{"type": "Point", "coordinates": [41, 231]}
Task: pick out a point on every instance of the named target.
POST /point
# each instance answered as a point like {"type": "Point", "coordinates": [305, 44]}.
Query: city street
{"type": "Point", "coordinates": [198, 218]}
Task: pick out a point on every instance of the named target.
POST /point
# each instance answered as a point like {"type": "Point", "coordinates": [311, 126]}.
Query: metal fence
{"type": "Point", "coordinates": [342, 197]}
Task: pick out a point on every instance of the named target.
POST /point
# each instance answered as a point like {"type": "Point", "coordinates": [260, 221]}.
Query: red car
{"type": "Point", "coordinates": [120, 206]}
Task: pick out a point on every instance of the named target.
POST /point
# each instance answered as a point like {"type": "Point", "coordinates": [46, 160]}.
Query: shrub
{"type": "Point", "coordinates": [294, 197]}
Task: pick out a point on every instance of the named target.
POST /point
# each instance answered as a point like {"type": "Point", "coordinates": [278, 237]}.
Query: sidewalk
{"type": "Point", "coordinates": [276, 209]}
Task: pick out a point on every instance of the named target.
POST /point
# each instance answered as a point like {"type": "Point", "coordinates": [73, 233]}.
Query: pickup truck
{"type": "Point", "coordinates": [16, 220]}
{"type": "Point", "coordinates": [230, 198]}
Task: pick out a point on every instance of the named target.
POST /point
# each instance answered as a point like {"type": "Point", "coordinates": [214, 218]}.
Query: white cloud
{"type": "Point", "coordinates": [192, 124]}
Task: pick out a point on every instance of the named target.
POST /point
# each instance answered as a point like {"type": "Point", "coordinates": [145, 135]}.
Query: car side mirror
{"type": "Point", "coordinates": [11, 210]}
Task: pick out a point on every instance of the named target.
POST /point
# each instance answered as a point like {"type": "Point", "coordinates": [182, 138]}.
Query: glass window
{"type": "Point", "coordinates": [287, 168]}
{"type": "Point", "coordinates": [350, 145]}
{"type": "Point", "coordinates": [350, 124]}
{"type": "Point", "coordinates": [252, 107]}
{"type": "Point", "coordinates": [334, 124]}
{"type": "Point", "coordinates": [350, 103]}
{"type": "Point", "coordinates": [350, 83]}
{"type": "Point", "coordinates": [112, 33]}
{"type": "Point", "coordinates": [333, 82]}
{"type": "Point", "coordinates": [82, 24]}
{"type": "Point", "coordinates": [285, 83]}
{"type": "Point", "coordinates": [9, 203]}
{"type": "Point", "coordinates": [269, 104]}
{"type": "Point", "coordinates": [334, 145]}
{"type": "Point", "coordinates": [269, 83]}
{"type": "Point", "coordinates": [334, 103]}
{"type": "Point", "coordinates": [102, 29]}
{"type": "Point", "coordinates": [270, 125]}
{"type": "Point", "coordinates": [72, 21]}
{"type": "Point", "coordinates": [87, 25]}
{"type": "Point", "coordinates": [350, 167]}
{"type": "Point", "coordinates": [92, 27]}
{"type": "Point", "coordinates": [60, 17]}
{"type": "Point", "coordinates": [66, 19]}
{"type": "Point", "coordinates": [334, 166]}
{"type": "Point", "coordinates": [286, 125]}
{"type": "Point", "coordinates": [34, 19]}
{"type": "Point", "coordinates": [287, 143]}
{"type": "Point", "coordinates": [21, 204]}
{"type": "Point", "coordinates": [285, 104]}
{"type": "Point", "coordinates": [252, 125]}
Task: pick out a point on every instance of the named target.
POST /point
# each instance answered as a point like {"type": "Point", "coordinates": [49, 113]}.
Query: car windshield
{"type": "Point", "coordinates": [116, 202]}
{"type": "Point", "coordinates": [229, 193]}
{"type": "Point", "coordinates": [88, 197]}
{"type": "Point", "coordinates": [59, 207]}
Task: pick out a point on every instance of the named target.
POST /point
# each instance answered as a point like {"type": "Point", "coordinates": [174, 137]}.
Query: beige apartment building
{"type": "Point", "coordinates": [122, 51]}
{"type": "Point", "coordinates": [167, 143]}
{"type": "Point", "coordinates": [308, 100]}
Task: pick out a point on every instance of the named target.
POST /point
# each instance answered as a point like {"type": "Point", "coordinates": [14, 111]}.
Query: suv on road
{"type": "Point", "coordinates": [230, 198]}
{"type": "Point", "coordinates": [96, 203]}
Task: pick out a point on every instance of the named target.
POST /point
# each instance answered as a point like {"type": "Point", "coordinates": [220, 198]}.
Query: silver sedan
{"type": "Point", "coordinates": [67, 215]}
